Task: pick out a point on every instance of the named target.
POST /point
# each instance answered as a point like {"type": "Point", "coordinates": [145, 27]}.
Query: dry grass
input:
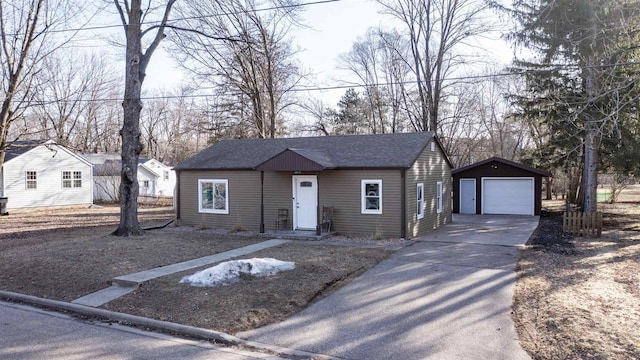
{"type": "Point", "coordinates": [583, 302]}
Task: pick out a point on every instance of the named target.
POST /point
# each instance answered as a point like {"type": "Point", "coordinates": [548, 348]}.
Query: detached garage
{"type": "Point", "coordinates": [497, 186]}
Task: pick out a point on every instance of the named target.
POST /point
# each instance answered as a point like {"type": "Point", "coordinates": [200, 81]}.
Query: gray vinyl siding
{"type": "Point", "coordinates": [244, 200]}
{"type": "Point", "coordinates": [429, 168]}
{"type": "Point", "coordinates": [278, 194]}
{"type": "Point", "coordinates": [342, 190]}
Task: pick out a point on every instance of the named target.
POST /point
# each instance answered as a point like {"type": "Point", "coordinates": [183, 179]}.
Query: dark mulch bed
{"type": "Point", "coordinates": [549, 236]}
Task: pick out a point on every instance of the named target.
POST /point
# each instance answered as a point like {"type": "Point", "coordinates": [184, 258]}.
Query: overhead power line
{"type": "Point", "coordinates": [348, 85]}
{"type": "Point", "coordinates": [175, 20]}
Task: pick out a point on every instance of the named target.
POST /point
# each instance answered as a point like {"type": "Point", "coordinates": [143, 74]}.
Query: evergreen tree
{"type": "Point", "coordinates": [580, 82]}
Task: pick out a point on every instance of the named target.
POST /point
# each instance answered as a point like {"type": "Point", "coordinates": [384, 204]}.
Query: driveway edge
{"type": "Point", "coordinates": [180, 329]}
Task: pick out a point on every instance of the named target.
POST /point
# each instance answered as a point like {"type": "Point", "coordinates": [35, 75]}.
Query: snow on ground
{"type": "Point", "coordinates": [228, 272]}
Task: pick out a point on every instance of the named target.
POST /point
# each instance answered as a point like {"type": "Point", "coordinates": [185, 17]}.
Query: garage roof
{"type": "Point", "coordinates": [504, 161]}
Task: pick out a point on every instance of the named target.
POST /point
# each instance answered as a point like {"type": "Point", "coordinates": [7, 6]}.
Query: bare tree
{"type": "Point", "coordinates": [27, 37]}
{"type": "Point", "coordinates": [249, 62]}
{"type": "Point", "coordinates": [136, 61]}
{"type": "Point", "coordinates": [436, 31]}
{"type": "Point", "coordinates": [71, 90]}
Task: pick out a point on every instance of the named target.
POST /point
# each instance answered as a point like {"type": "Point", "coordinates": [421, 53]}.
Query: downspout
{"type": "Point", "coordinates": [403, 202]}
{"type": "Point", "coordinates": [261, 202]}
{"type": "Point", "coordinates": [176, 198]}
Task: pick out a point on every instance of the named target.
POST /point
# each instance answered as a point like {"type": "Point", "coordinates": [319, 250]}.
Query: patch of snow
{"type": "Point", "coordinates": [228, 272]}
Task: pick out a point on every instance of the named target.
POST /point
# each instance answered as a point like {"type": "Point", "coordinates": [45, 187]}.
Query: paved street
{"type": "Point", "coordinates": [445, 297]}
{"type": "Point", "coordinates": [30, 333]}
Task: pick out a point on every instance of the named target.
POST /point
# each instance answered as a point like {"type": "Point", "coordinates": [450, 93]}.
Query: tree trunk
{"type": "Point", "coordinates": [130, 132]}
{"type": "Point", "coordinates": [590, 177]}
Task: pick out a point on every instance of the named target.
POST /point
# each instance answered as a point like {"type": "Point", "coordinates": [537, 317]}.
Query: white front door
{"type": "Point", "coordinates": [467, 196]}
{"type": "Point", "coordinates": [305, 202]}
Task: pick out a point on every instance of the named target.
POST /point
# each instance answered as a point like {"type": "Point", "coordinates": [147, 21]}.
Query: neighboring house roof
{"type": "Point", "coordinates": [326, 152]}
{"type": "Point", "coordinates": [105, 164]}
{"type": "Point", "coordinates": [21, 147]}
{"type": "Point", "coordinates": [504, 161]}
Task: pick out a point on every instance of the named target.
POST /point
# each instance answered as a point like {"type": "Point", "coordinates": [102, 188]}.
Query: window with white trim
{"type": "Point", "coordinates": [439, 196]}
{"type": "Point", "coordinates": [213, 196]}
{"type": "Point", "coordinates": [420, 200]}
{"type": "Point", "coordinates": [166, 175]}
{"type": "Point", "coordinates": [31, 178]}
{"type": "Point", "coordinates": [71, 179]}
{"type": "Point", "coordinates": [372, 196]}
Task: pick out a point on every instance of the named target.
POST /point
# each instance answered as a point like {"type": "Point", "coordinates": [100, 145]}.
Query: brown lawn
{"type": "Point", "coordinates": [579, 298]}
{"type": "Point", "coordinates": [64, 254]}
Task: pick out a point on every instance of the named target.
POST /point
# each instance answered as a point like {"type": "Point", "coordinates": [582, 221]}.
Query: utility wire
{"type": "Point", "coordinates": [345, 86]}
{"type": "Point", "coordinates": [170, 21]}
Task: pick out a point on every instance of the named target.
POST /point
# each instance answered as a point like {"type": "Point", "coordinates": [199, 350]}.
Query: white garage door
{"type": "Point", "coordinates": [507, 196]}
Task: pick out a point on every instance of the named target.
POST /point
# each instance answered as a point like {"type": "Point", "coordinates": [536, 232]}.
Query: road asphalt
{"type": "Point", "coordinates": [30, 333]}
{"type": "Point", "coordinates": [448, 296]}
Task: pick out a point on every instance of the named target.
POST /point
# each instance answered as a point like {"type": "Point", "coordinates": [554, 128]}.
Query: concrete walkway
{"type": "Point", "coordinates": [446, 297]}
{"type": "Point", "coordinates": [125, 284]}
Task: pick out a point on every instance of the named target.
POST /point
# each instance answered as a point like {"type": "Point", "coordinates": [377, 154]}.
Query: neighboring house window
{"type": "Point", "coordinates": [439, 196]}
{"type": "Point", "coordinates": [166, 175]}
{"type": "Point", "coordinates": [77, 179]}
{"type": "Point", "coordinates": [213, 196]}
{"type": "Point", "coordinates": [32, 180]}
{"type": "Point", "coordinates": [69, 182]}
{"type": "Point", "coordinates": [372, 196]}
{"type": "Point", "coordinates": [420, 200]}
{"type": "Point", "coordinates": [66, 179]}
{"type": "Point", "coordinates": [145, 184]}
{"type": "Point", "coordinates": [433, 146]}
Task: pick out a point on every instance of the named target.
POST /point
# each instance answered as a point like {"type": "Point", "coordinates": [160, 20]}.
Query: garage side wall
{"type": "Point", "coordinates": [494, 169]}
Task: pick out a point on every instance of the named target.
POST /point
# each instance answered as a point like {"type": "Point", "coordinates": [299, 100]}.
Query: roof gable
{"type": "Point", "coordinates": [503, 161]}
{"type": "Point", "coordinates": [21, 147]}
{"type": "Point", "coordinates": [297, 160]}
{"type": "Point", "coordinates": [347, 151]}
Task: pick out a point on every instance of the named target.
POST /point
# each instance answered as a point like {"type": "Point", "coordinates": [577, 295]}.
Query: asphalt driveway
{"type": "Point", "coordinates": [448, 296]}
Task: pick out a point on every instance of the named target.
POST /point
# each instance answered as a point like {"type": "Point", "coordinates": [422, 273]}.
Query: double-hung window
{"type": "Point", "coordinates": [371, 196]}
{"type": "Point", "coordinates": [439, 196]}
{"type": "Point", "coordinates": [31, 178]}
{"type": "Point", "coordinates": [66, 180]}
{"type": "Point", "coordinates": [77, 179]}
{"type": "Point", "coordinates": [71, 179]}
{"type": "Point", "coordinates": [420, 200]}
{"type": "Point", "coordinates": [213, 196]}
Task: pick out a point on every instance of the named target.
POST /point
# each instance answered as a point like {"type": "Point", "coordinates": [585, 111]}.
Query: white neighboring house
{"type": "Point", "coordinates": [43, 173]}
{"type": "Point", "coordinates": [154, 178]}
{"type": "Point", "coordinates": [162, 181]}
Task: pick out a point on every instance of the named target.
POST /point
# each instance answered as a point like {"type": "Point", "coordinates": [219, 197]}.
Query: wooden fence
{"type": "Point", "coordinates": [578, 223]}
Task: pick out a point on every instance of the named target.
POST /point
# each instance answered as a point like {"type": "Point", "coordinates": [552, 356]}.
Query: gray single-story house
{"type": "Point", "coordinates": [391, 185]}
{"type": "Point", "coordinates": [497, 186]}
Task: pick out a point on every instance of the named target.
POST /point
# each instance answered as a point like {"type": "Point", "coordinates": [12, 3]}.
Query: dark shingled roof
{"type": "Point", "coordinates": [347, 151]}
{"type": "Point", "coordinates": [20, 147]}
{"type": "Point", "coordinates": [504, 161]}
